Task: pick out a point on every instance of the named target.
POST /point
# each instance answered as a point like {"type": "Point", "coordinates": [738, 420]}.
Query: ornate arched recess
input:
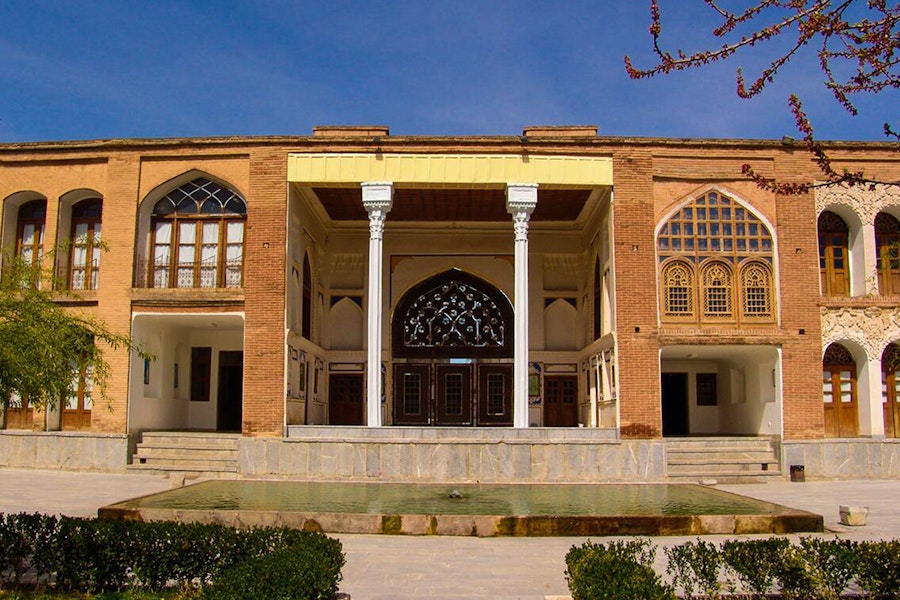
{"type": "Point", "coordinates": [872, 331]}
{"type": "Point", "coordinates": [453, 315]}
{"type": "Point", "coordinates": [717, 261]}
{"type": "Point", "coordinates": [862, 201]}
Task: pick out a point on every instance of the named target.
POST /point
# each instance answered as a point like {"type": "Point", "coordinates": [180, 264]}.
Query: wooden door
{"type": "Point", "coordinates": [231, 390]}
{"type": "Point", "coordinates": [412, 394]}
{"type": "Point", "coordinates": [890, 396]}
{"type": "Point", "coordinates": [454, 395]}
{"type": "Point", "coordinates": [19, 415]}
{"type": "Point", "coordinates": [560, 401]}
{"type": "Point", "coordinates": [495, 395]}
{"type": "Point", "coordinates": [345, 399]}
{"type": "Point", "coordinates": [839, 399]}
{"type": "Point", "coordinates": [76, 410]}
{"type": "Point", "coordinates": [675, 404]}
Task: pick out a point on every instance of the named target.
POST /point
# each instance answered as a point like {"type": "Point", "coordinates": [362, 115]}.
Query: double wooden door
{"type": "Point", "coordinates": [890, 397]}
{"type": "Point", "coordinates": [447, 394]}
{"type": "Point", "coordinates": [839, 399]}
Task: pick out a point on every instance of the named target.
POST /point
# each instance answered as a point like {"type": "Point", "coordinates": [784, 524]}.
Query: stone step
{"type": "Point", "coordinates": [700, 445]}
{"type": "Point", "coordinates": [736, 460]}
{"type": "Point", "coordinates": [171, 451]}
{"type": "Point", "coordinates": [707, 479]}
{"type": "Point", "coordinates": [192, 452]}
{"type": "Point", "coordinates": [187, 464]}
{"type": "Point", "coordinates": [700, 461]}
{"type": "Point", "coordinates": [225, 442]}
{"type": "Point", "coordinates": [174, 471]}
{"type": "Point", "coordinates": [712, 468]}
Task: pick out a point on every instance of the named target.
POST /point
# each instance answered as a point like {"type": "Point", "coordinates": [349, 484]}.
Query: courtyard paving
{"type": "Point", "coordinates": [454, 568]}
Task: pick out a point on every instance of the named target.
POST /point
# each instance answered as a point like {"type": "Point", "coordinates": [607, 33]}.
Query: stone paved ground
{"type": "Point", "coordinates": [399, 568]}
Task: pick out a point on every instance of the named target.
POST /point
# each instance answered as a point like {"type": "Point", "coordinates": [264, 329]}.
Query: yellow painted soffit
{"type": "Point", "coordinates": [449, 170]}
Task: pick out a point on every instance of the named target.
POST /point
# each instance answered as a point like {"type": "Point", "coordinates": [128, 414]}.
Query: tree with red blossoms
{"type": "Point", "coordinates": [858, 52]}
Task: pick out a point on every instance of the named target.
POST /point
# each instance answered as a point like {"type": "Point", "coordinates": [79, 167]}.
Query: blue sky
{"type": "Point", "coordinates": [164, 68]}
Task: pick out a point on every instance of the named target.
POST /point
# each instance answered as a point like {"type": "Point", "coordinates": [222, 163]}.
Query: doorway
{"type": "Point", "coordinates": [345, 399]}
{"type": "Point", "coordinates": [446, 394]}
{"type": "Point", "coordinates": [674, 404]}
{"type": "Point", "coordinates": [231, 390]}
{"type": "Point", "coordinates": [560, 401]}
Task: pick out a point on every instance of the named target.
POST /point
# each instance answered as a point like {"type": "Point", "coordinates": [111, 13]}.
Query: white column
{"type": "Point", "coordinates": [863, 257]}
{"type": "Point", "coordinates": [869, 399]}
{"type": "Point", "coordinates": [377, 197]}
{"type": "Point", "coordinates": [521, 198]}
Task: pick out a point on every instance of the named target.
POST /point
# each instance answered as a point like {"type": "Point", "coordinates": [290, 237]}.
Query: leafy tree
{"type": "Point", "coordinates": [858, 50]}
{"type": "Point", "coordinates": [42, 343]}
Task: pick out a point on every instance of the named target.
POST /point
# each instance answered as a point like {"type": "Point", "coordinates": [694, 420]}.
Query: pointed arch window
{"type": "Point", "coordinates": [453, 314]}
{"type": "Point", "coordinates": [678, 290]}
{"type": "Point", "coordinates": [834, 254]}
{"type": "Point", "coordinates": [30, 231]}
{"type": "Point", "coordinates": [598, 300]}
{"type": "Point", "coordinates": [887, 254]}
{"type": "Point", "coordinates": [84, 260]}
{"type": "Point", "coordinates": [756, 291]}
{"type": "Point", "coordinates": [198, 237]}
{"type": "Point", "coordinates": [708, 241]}
{"type": "Point", "coordinates": [718, 291]}
{"type": "Point", "coordinates": [306, 307]}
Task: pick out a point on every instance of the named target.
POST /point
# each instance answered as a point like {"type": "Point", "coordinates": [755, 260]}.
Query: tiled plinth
{"type": "Point", "coordinates": [465, 455]}
{"type": "Point", "coordinates": [69, 450]}
{"type": "Point", "coordinates": [845, 458]}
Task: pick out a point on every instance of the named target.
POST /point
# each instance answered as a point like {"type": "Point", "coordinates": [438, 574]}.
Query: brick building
{"type": "Point", "coordinates": [552, 306]}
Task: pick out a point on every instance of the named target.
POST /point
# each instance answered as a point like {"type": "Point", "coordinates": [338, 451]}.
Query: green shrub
{"type": "Point", "coordinates": [618, 571]}
{"type": "Point", "coordinates": [835, 562]}
{"type": "Point", "coordinates": [310, 570]}
{"type": "Point", "coordinates": [695, 566]}
{"type": "Point", "coordinates": [755, 562]}
{"type": "Point", "coordinates": [878, 568]}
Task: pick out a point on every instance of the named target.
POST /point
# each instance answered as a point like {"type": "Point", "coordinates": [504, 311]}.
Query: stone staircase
{"type": "Point", "coordinates": [723, 460]}
{"type": "Point", "coordinates": [188, 453]}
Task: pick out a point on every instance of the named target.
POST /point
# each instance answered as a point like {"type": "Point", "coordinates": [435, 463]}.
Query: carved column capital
{"type": "Point", "coordinates": [378, 199]}
{"type": "Point", "coordinates": [521, 200]}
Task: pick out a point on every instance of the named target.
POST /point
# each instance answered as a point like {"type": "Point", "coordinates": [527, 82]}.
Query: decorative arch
{"type": "Point", "coordinates": [717, 282]}
{"type": "Point", "coordinates": [560, 325]}
{"type": "Point", "coordinates": [839, 393]}
{"type": "Point", "coordinates": [701, 246]}
{"type": "Point", "coordinates": [678, 290]}
{"type": "Point", "coordinates": [306, 311]}
{"type": "Point", "coordinates": [348, 324]}
{"type": "Point", "coordinates": [84, 244]}
{"type": "Point", "coordinates": [887, 253]}
{"type": "Point", "coordinates": [197, 236]}
{"type": "Point", "coordinates": [756, 291]}
{"type": "Point", "coordinates": [598, 300]}
{"type": "Point", "coordinates": [834, 254]}
{"type": "Point", "coordinates": [453, 314]}
{"type": "Point", "coordinates": [890, 389]}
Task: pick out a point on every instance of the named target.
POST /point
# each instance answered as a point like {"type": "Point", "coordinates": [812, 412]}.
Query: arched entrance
{"type": "Point", "coordinates": [839, 392]}
{"type": "Point", "coordinates": [452, 352]}
{"type": "Point", "coordinates": [890, 390]}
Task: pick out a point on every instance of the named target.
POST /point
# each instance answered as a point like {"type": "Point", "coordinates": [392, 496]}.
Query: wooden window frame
{"type": "Point", "coordinates": [834, 236]}
{"type": "Point", "coordinates": [92, 243]}
{"type": "Point", "coordinates": [887, 254]}
{"type": "Point", "coordinates": [715, 231]}
{"type": "Point", "coordinates": [197, 203]}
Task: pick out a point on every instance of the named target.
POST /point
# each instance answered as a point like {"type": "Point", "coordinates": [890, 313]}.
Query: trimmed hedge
{"type": "Point", "coordinates": [814, 569]}
{"type": "Point", "coordinates": [97, 555]}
